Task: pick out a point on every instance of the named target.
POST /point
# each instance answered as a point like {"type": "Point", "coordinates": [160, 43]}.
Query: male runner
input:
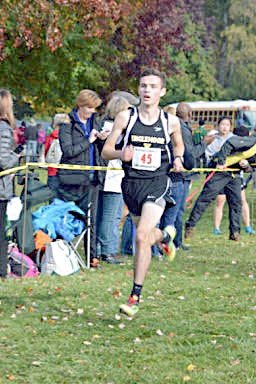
{"type": "Point", "coordinates": [145, 155]}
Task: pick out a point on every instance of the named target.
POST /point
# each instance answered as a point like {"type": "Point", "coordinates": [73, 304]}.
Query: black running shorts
{"type": "Point", "coordinates": [136, 192]}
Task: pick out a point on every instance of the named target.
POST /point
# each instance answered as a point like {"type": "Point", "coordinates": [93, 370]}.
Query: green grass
{"type": "Point", "coordinates": [196, 322]}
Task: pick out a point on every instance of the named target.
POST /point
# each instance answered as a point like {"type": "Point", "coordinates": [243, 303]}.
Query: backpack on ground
{"type": "Point", "coordinates": [59, 259]}
{"type": "Point", "coordinates": [54, 152]}
{"type": "Point", "coordinates": [21, 265]}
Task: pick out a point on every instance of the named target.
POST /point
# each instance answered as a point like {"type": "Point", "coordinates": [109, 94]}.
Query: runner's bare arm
{"type": "Point", "coordinates": [178, 145]}
{"type": "Point", "coordinates": [109, 152]}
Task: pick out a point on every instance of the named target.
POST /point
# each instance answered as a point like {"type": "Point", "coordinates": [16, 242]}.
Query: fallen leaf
{"type": "Point", "coordinates": [191, 367]}
{"type": "Point", "coordinates": [121, 326]}
{"type": "Point", "coordinates": [171, 334]}
{"type": "Point", "coordinates": [87, 342]}
{"type": "Point", "coordinates": [186, 378]}
{"type": "Point", "coordinates": [235, 362]}
{"type": "Point", "coordinates": [80, 311]}
{"type": "Point", "coordinates": [96, 337]}
{"type": "Point", "coordinates": [36, 363]}
{"type": "Point", "coordinates": [31, 309]}
{"type": "Point", "coordinates": [10, 377]}
{"type": "Point", "coordinates": [116, 293]}
{"type": "Point", "coordinates": [64, 310]}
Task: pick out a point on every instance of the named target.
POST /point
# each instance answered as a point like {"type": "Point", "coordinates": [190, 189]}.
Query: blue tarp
{"type": "Point", "coordinates": [57, 221]}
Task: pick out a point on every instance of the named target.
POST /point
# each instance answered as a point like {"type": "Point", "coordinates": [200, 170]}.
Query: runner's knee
{"type": "Point", "coordinates": [142, 236]}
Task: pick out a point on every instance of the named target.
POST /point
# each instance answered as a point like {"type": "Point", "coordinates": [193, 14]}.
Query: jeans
{"type": "Point", "coordinates": [109, 213]}
{"type": "Point", "coordinates": [3, 241]}
{"type": "Point", "coordinates": [53, 183]}
{"type": "Point", "coordinates": [31, 151]}
{"type": "Point", "coordinates": [128, 237]}
{"type": "Point", "coordinates": [174, 215]}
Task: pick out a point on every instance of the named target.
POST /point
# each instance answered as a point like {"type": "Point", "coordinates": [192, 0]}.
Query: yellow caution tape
{"type": "Point", "coordinates": [101, 168]}
{"type": "Point", "coordinates": [73, 166]}
{"type": "Point", "coordinates": [12, 170]}
{"type": "Point", "coordinates": [233, 159]}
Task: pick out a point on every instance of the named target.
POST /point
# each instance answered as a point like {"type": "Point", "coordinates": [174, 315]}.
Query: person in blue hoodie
{"type": "Point", "coordinates": [81, 144]}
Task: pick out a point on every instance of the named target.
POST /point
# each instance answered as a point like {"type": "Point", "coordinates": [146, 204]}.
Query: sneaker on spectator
{"type": "Point", "coordinates": [184, 247]}
{"type": "Point", "coordinates": [189, 231]}
{"type": "Point", "coordinates": [95, 263]}
{"type": "Point", "coordinates": [216, 231]}
{"type": "Point", "coordinates": [249, 230]}
{"type": "Point", "coordinates": [235, 236]}
{"type": "Point", "coordinates": [131, 308]}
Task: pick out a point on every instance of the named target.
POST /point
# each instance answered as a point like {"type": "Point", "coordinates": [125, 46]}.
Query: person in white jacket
{"type": "Point", "coordinates": [110, 202]}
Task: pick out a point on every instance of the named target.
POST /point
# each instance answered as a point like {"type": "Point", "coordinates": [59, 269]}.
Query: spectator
{"type": "Point", "coordinates": [200, 132]}
{"type": "Point", "coordinates": [58, 120]}
{"type": "Point", "coordinates": [228, 181]}
{"type": "Point", "coordinates": [221, 198]}
{"type": "Point", "coordinates": [31, 138]}
{"type": "Point", "coordinates": [81, 143]}
{"type": "Point", "coordinates": [110, 198]}
{"type": "Point", "coordinates": [41, 137]}
{"type": "Point", "coordinates": [181, 181]}
{"type": "Point", "coordinates": [8, 159]}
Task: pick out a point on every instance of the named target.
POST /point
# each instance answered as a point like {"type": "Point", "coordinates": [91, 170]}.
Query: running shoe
{"type": "Point", "coordinates": [169, 249]}
{"type": "Point", "coordinates": [189, 231]}
{"type": "Point", "coordinates": [249, 230]}
{"type": "Point", "coordinates": [216, 231]}
{"type": "Point", "coordinates": [131, 308]}
{"type": "Point", "coordinates": [235, 236]}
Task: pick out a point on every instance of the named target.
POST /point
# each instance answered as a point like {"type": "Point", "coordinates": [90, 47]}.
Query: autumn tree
{"type": "Point", "coordinates": [50, 49]}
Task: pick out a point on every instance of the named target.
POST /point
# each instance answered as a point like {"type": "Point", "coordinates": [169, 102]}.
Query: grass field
{"type": "Point", "coordinates": [196, 324]}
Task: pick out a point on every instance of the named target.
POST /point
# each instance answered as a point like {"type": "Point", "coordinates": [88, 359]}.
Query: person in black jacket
{"type": "Point", "coordinates": [229, 181]}
{"type": "Point", "coordinates": [8, 159]}
{"type": "Point", "coordinates": [81, 144]}
{"type": "Point", "coordinates": [181, 181]}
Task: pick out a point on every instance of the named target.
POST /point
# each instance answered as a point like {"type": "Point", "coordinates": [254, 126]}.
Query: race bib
{"type": "Point", "coordinates": [148, 159]}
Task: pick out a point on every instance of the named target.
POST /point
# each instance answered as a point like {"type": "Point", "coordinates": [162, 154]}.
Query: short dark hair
{"type": "Point", "coordinates": [154, 72]}
{"type": "Point", "coordinates": [224, 118]}
{"type": "Point", "coordinates": [184, 111]}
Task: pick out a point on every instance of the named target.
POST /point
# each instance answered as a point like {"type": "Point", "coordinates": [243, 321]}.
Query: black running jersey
{"type": "Point", "coordinates": [150, 142]}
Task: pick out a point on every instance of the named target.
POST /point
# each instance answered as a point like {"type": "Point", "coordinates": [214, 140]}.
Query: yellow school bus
{"type": "Point", "coordinates": [211, 111]}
